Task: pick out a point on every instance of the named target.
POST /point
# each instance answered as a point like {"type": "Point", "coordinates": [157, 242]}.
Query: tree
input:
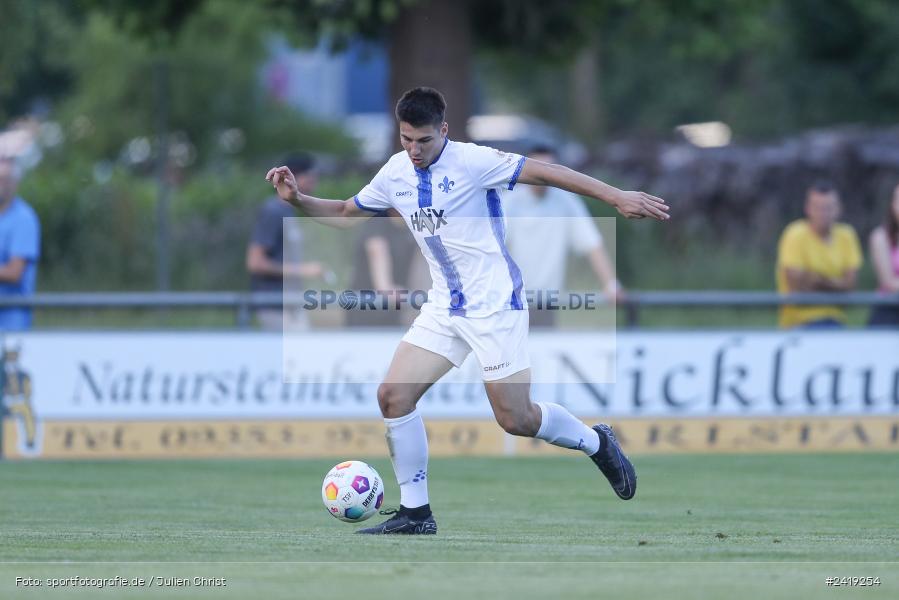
{"type": "Point", "coordinates": [33, 39]}
{"type": "Point", "coordinates": [430, 42]}
{"type": "Point", "coordinates": [765, 66]}
{"type": "Point", "coordinates": [433, 42]}
{"type": "Point", "coordinates": [173, 93]}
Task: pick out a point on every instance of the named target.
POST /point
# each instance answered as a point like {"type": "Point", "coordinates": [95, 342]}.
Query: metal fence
{"type": "Point", "coordinates": [244, 303]}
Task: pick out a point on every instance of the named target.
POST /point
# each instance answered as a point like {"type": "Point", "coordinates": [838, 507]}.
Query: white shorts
{"type": "Point", "coordinates": [499, 341]}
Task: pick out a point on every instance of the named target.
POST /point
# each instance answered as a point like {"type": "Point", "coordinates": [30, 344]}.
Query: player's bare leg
{"type": "Point", "coordinates": [412, 371]}
{"type": "Point", "coordinates": [510, 399]}
{"type": "Point", "coordinates": [518, 415]}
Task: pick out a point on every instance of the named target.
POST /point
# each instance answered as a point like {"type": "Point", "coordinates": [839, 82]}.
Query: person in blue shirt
{"type": "Point", "coordinates": [20, 242]}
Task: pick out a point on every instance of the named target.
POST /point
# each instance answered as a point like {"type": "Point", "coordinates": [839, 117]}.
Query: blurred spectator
{"type": "Point", "coordinates": [268, 247]}
{"type": "Point", "coordinates": [383, 260]}
{"type": "Point", "coordinates": [544, 225]}
{"type": "Point", "coordinates": [817, 254]}
{"type": "Point", "coordinates": [884, 244]}
{"type": "Point", "coordinates": [20, 242]}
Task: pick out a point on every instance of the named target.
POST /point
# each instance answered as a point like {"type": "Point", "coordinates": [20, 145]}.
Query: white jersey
{"type": "Point", "coordinates": [454, 210]}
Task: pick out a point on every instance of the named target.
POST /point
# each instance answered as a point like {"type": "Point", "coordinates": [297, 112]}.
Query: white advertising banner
{"type": "Point", "coordinates": [239, 375]}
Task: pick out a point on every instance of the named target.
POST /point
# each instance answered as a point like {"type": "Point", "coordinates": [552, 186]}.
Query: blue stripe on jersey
{"type": "Point", "coordinates": [495, 208]}
{"type": "Point", "coordinates": [517, 172]}
{"type": "Point", "coordinates": [424, 187]}
{"type": "Point", "coordinates": [457, 298]}
{"type": "Point", "coordinates": [363, 207]}
{"type": "Point", "coordinates": [424, 179]}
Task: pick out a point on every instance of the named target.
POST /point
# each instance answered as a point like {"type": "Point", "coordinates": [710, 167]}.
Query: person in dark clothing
{"type": "Point", "coordinates": [271, 240]}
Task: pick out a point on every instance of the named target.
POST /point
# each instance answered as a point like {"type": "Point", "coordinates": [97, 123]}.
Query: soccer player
{"type": "Point", "coordinates": [450, 194]}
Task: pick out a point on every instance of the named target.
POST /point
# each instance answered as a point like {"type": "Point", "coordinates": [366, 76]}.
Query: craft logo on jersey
{"type": "Point", "coordinates": [15, 400]}
{"type": "Point", "coordinates": [428, 218]}
{"type": "Point", "coordinates": [446, 185]}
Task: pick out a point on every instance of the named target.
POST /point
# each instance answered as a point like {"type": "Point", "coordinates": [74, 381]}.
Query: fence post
{"type": "Point", "coordinates": [632, 314]}
{"type": "Point", "coordinates": [244, 316]}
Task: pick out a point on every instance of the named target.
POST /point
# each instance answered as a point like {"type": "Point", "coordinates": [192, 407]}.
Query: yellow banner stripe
{"type": "Point", "coordinates": [340, 439]}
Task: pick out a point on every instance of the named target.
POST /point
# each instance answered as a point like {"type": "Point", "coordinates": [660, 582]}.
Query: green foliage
{"type": "Point", "coordinates": [339, 22]}
{"type": "Point", "coordinates": [199, 78]}
{"type": "Point", "coordinates": [93, 236]}
{"type": "Point", "coordinates": [101, 236]}
{"type": "Point", "coordinates": [203, 85]}
{"type": "Point", "coordinates": [765, 67]}
{"type": "Point", "coordinates": [535, 29]}
{"type": "Point", "coordinates": [34, 38]}
{"type": "Point", "coordinates": [153, 20]}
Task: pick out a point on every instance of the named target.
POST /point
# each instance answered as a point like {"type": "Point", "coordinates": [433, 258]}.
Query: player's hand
{"type": "Point", "coordinates": [284, 183]}
{"type": "Point", "coordinates": [615, 294]}
{"type": "Point", "coordinates": [637, 205]}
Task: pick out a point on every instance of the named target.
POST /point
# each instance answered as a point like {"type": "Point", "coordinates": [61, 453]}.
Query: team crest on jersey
{"type": "Point", "coordinates": [427, 218]}
{"type": "Point", "coordinates": [446, 185]}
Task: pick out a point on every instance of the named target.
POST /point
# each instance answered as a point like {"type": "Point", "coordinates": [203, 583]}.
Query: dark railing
{"type": "Point", "coordinates": [726, 298]}
{"type": "Point", "coordinates": [243, 303]}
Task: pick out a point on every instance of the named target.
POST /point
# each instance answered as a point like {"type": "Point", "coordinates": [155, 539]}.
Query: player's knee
{"type": "Point", "coordinates": [518, 423]}
{"type": "Point", "coordinates": [386, 397]}
{"type": "Point", "coordinates": [394, 401]}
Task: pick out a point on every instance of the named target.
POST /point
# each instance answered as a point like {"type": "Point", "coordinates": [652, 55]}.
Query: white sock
{"type": "Point", "coordinates": [561, 428]}
{"type": "Point", "coordinates": [408, 444]}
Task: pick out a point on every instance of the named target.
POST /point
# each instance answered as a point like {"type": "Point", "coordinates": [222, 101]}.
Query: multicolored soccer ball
{"type": "Point", "coordinates": [352, 491]}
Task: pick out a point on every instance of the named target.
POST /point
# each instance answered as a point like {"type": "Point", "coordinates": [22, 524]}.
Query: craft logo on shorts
{"type": "Point", "coordinates": [496, 367]}
{"type": "Point", "coordinates": [15, 400]}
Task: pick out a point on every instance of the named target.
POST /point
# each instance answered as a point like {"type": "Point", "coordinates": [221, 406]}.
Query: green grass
{"type": "Point", "coordinates": [701, 526]}
{"type": "Point", "coordinates": [118, 319]}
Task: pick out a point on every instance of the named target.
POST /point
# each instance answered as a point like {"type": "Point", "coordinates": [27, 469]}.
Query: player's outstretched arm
{"type": "Point", "coordinates": [336, 213]}
{"type": "Point", "coordinates": [633, 205]}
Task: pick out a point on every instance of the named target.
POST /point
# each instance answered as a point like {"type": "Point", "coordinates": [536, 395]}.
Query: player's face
{"type": "Point", "coordinates": [822, 210]}
{"type": "Point", "coordinates": [422, 144]}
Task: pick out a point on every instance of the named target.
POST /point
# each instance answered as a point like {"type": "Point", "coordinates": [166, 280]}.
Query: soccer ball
{"type": "Point", "coordinates": [352, 491]}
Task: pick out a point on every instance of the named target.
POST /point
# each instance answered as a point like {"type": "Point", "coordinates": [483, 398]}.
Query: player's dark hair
{"type": "Point", "coordinates": [421, 106]}
{"type": "Point", "coordinates": [542, 149]}
{"type": "Point", "coordinates": [299, 163]}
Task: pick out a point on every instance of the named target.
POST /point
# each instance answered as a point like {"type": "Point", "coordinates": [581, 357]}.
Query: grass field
{"type": "Point", "coordinates": [709, 526]}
